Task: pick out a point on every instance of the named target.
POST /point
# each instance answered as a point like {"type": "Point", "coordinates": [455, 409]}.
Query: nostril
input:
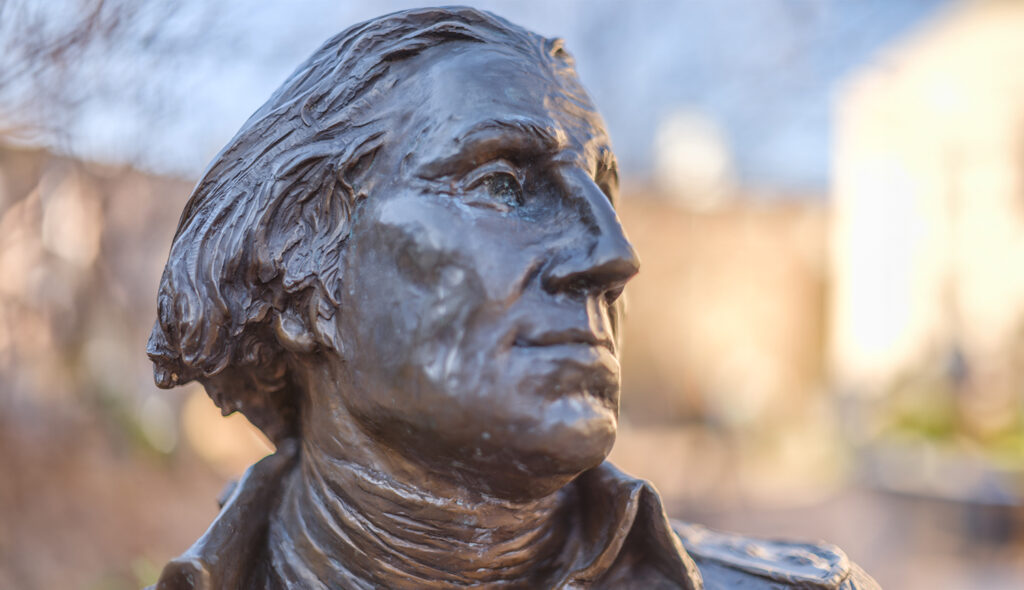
{"type": "Point", "coordinates": [587, 276]}
{"type": "Point", "coordinates": [612, 295]}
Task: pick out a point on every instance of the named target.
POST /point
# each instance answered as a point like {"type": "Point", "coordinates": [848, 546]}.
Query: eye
{"type": "Point", "coordinates": [504, 187]}
{"type": "Point", "coordinates": [497, 184]}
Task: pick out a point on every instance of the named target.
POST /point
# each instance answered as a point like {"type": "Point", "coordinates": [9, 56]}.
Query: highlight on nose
{"type": "Point", "coordinates": [604, 266]}
{"type": "Point", "coordinates": [601, 260]}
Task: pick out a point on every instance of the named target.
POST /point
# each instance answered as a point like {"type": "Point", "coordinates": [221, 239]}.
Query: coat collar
{"type": "Point", "coordinates": [624, 536]}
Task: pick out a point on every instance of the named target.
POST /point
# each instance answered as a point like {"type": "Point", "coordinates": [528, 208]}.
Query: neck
{"type": "Point", "coordinates": [345, 521]}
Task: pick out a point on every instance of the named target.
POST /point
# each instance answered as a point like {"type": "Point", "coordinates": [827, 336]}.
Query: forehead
{"type": "Point", "coordinates": [458, 88]}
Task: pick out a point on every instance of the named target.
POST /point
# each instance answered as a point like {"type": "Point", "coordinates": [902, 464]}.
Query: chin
{"type": "Point", "coordinates": [577, 432]}
{"type": "Point", "coordinates": [574, 434]}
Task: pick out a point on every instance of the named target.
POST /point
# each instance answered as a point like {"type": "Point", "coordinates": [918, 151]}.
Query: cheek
{"type": "Point", "coordinates": [411, 301]}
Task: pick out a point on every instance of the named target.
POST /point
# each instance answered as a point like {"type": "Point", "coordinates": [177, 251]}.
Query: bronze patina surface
{"type": "Point", "coordinates": [405, 269]}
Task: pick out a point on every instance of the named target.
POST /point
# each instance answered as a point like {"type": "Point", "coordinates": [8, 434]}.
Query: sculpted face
{"type": "Point", "coordinates": [478, 319]}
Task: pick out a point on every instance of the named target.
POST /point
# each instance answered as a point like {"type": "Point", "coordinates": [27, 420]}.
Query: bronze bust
{"type": "Point", "coordinates": [405, 269]}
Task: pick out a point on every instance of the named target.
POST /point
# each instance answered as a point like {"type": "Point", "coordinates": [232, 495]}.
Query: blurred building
{"type": "Point", "coordinates": [723, 350]}
{"type": "Point", "coordinates": [928, 232]}
{"type": "Point", "coordinates": [725, 319]}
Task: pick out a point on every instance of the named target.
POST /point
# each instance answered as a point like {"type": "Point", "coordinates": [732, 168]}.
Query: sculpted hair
{"type": "Point", "coordinates": [254, 266]}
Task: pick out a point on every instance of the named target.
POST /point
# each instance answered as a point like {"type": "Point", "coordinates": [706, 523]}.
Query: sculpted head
{"type": "Point", "coordinates": [415, 239]}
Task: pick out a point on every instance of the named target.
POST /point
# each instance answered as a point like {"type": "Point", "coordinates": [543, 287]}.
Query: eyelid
{"type": "Point", "coordinates": [606, 176]}
{"type": "Point", "coordinates": [481, 173]}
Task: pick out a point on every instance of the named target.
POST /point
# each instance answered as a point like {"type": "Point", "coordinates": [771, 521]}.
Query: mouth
{"type": "Point", "coordinates": [572, 361]}
{"type": "Point", "coordinates": [568, 337]}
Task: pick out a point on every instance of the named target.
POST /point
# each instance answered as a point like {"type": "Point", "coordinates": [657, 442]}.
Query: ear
{"type": "Point", "coordinates": [291, 332]}
{"type": "Point", "coordinates": [323, 319]}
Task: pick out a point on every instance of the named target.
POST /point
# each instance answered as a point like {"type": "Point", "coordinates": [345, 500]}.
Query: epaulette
{"type": "Point", "coordinates": [728, 560]}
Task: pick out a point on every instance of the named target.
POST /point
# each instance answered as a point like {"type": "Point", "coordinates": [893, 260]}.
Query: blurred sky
{"type": "Point", "coordinates": [762, 71]}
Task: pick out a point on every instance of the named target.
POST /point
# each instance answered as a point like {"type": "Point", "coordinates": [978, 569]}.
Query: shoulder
{"type": "Point", "coordinates": [230, 553]}
{"type": "Point", "coordinates": [727, 560]}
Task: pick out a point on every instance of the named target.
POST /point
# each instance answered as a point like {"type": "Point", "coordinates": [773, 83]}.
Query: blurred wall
{"type": "Point", "coordinates": [929, 207]}
{"type": "Point", "coordinates": [725, 319]}
{"type": "Point", "coordinates": [723, 393]}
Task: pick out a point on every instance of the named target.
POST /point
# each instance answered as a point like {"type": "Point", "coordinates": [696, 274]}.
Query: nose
{"type": "Point", "coordinates": [601, 260]}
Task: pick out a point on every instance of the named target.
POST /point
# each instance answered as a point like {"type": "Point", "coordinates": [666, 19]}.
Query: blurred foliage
{"type": "Point", "coordinates": [921, 405]}
{"type": "Point", "coordinates": [955, 402]}
{"type": "Point", "coordinates": [63, 62]}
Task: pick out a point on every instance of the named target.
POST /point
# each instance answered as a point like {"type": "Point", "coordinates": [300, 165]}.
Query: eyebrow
{"type": "Point", "coordinates": [550, 137]}
{"type": "Point", "coordinates": [510, 137]}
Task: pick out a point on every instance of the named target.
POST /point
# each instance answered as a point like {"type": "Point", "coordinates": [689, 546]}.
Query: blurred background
{"type": "Point", "coordinates": [826, 340]}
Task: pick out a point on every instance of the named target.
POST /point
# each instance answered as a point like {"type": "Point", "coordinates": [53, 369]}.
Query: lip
{"type": "Point", "coordinates": [571, 361]}
{"type": "Point", "coordinates": [570, 336]}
